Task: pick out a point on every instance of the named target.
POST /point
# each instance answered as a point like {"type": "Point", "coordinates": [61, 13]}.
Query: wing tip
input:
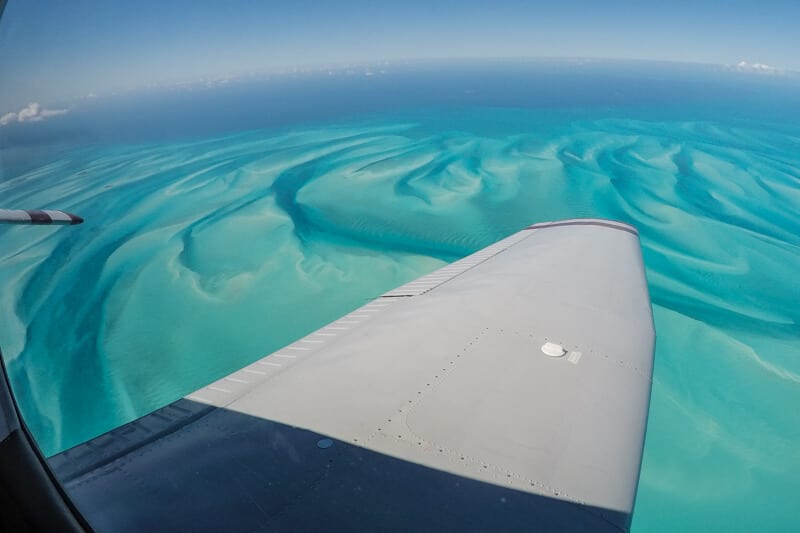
{"type": "Point", "coordinates": [602, 222]}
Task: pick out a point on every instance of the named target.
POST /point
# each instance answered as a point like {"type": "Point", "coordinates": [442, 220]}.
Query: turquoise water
{"type": "Point", "coordinates": [199, 255]}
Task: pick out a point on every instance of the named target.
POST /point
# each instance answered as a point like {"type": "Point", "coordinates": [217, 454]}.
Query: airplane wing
{"type": "Point", "coordinates": [507, 391]}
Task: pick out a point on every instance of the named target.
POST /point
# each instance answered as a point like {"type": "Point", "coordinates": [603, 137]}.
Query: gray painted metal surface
{"type": "Point", "coordinates": [522, 372]}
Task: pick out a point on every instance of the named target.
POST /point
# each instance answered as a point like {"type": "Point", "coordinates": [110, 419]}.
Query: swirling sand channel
{"type": "Point", "coordinates": [199, 257]}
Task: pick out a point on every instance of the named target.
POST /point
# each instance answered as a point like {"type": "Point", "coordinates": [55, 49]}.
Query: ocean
{"type": "Point", "coordinates": [225, 220]}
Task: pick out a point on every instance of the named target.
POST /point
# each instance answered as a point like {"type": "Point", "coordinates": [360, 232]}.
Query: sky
{"type": "Point", "coordinates": [55, 51]}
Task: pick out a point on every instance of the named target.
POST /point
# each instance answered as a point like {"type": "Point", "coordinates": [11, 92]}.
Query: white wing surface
{"type": "Point", "coordinates": [506, 391]}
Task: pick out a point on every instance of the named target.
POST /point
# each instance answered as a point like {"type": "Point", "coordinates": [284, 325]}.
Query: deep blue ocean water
{"type": "Point", "coordinates": [224, 222]}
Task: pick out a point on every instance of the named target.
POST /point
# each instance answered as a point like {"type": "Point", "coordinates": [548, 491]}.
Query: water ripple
{"type": "Point", "coordinates": [199, 257]}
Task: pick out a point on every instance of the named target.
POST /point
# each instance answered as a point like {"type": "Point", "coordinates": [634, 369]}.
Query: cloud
{"type": "Point", "coordinates": [757, 68]}
{"type": "Point", "coordinates": [8, 118]}
{"type": "Point", "coordinates": [33, 112]}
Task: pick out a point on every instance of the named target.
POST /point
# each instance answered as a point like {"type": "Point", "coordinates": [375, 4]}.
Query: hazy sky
{"type": "Point", "coordinates": [53, 51]}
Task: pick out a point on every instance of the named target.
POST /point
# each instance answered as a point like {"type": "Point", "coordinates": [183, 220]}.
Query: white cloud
{"type": "Point", "coordinates": [758, 68]}
{"type": "Point", "coordinates": [32, 112]}
{"type": "Point", "coordinates": [8, 118]}
{"type": "Point", "coordinates": [29, 113]}
{"type": "Point", "coordinates": [44, 113]}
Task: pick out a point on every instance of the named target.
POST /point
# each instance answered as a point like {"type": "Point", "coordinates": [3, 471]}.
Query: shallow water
{"type": "Point", "coordinates": [199, 256]}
